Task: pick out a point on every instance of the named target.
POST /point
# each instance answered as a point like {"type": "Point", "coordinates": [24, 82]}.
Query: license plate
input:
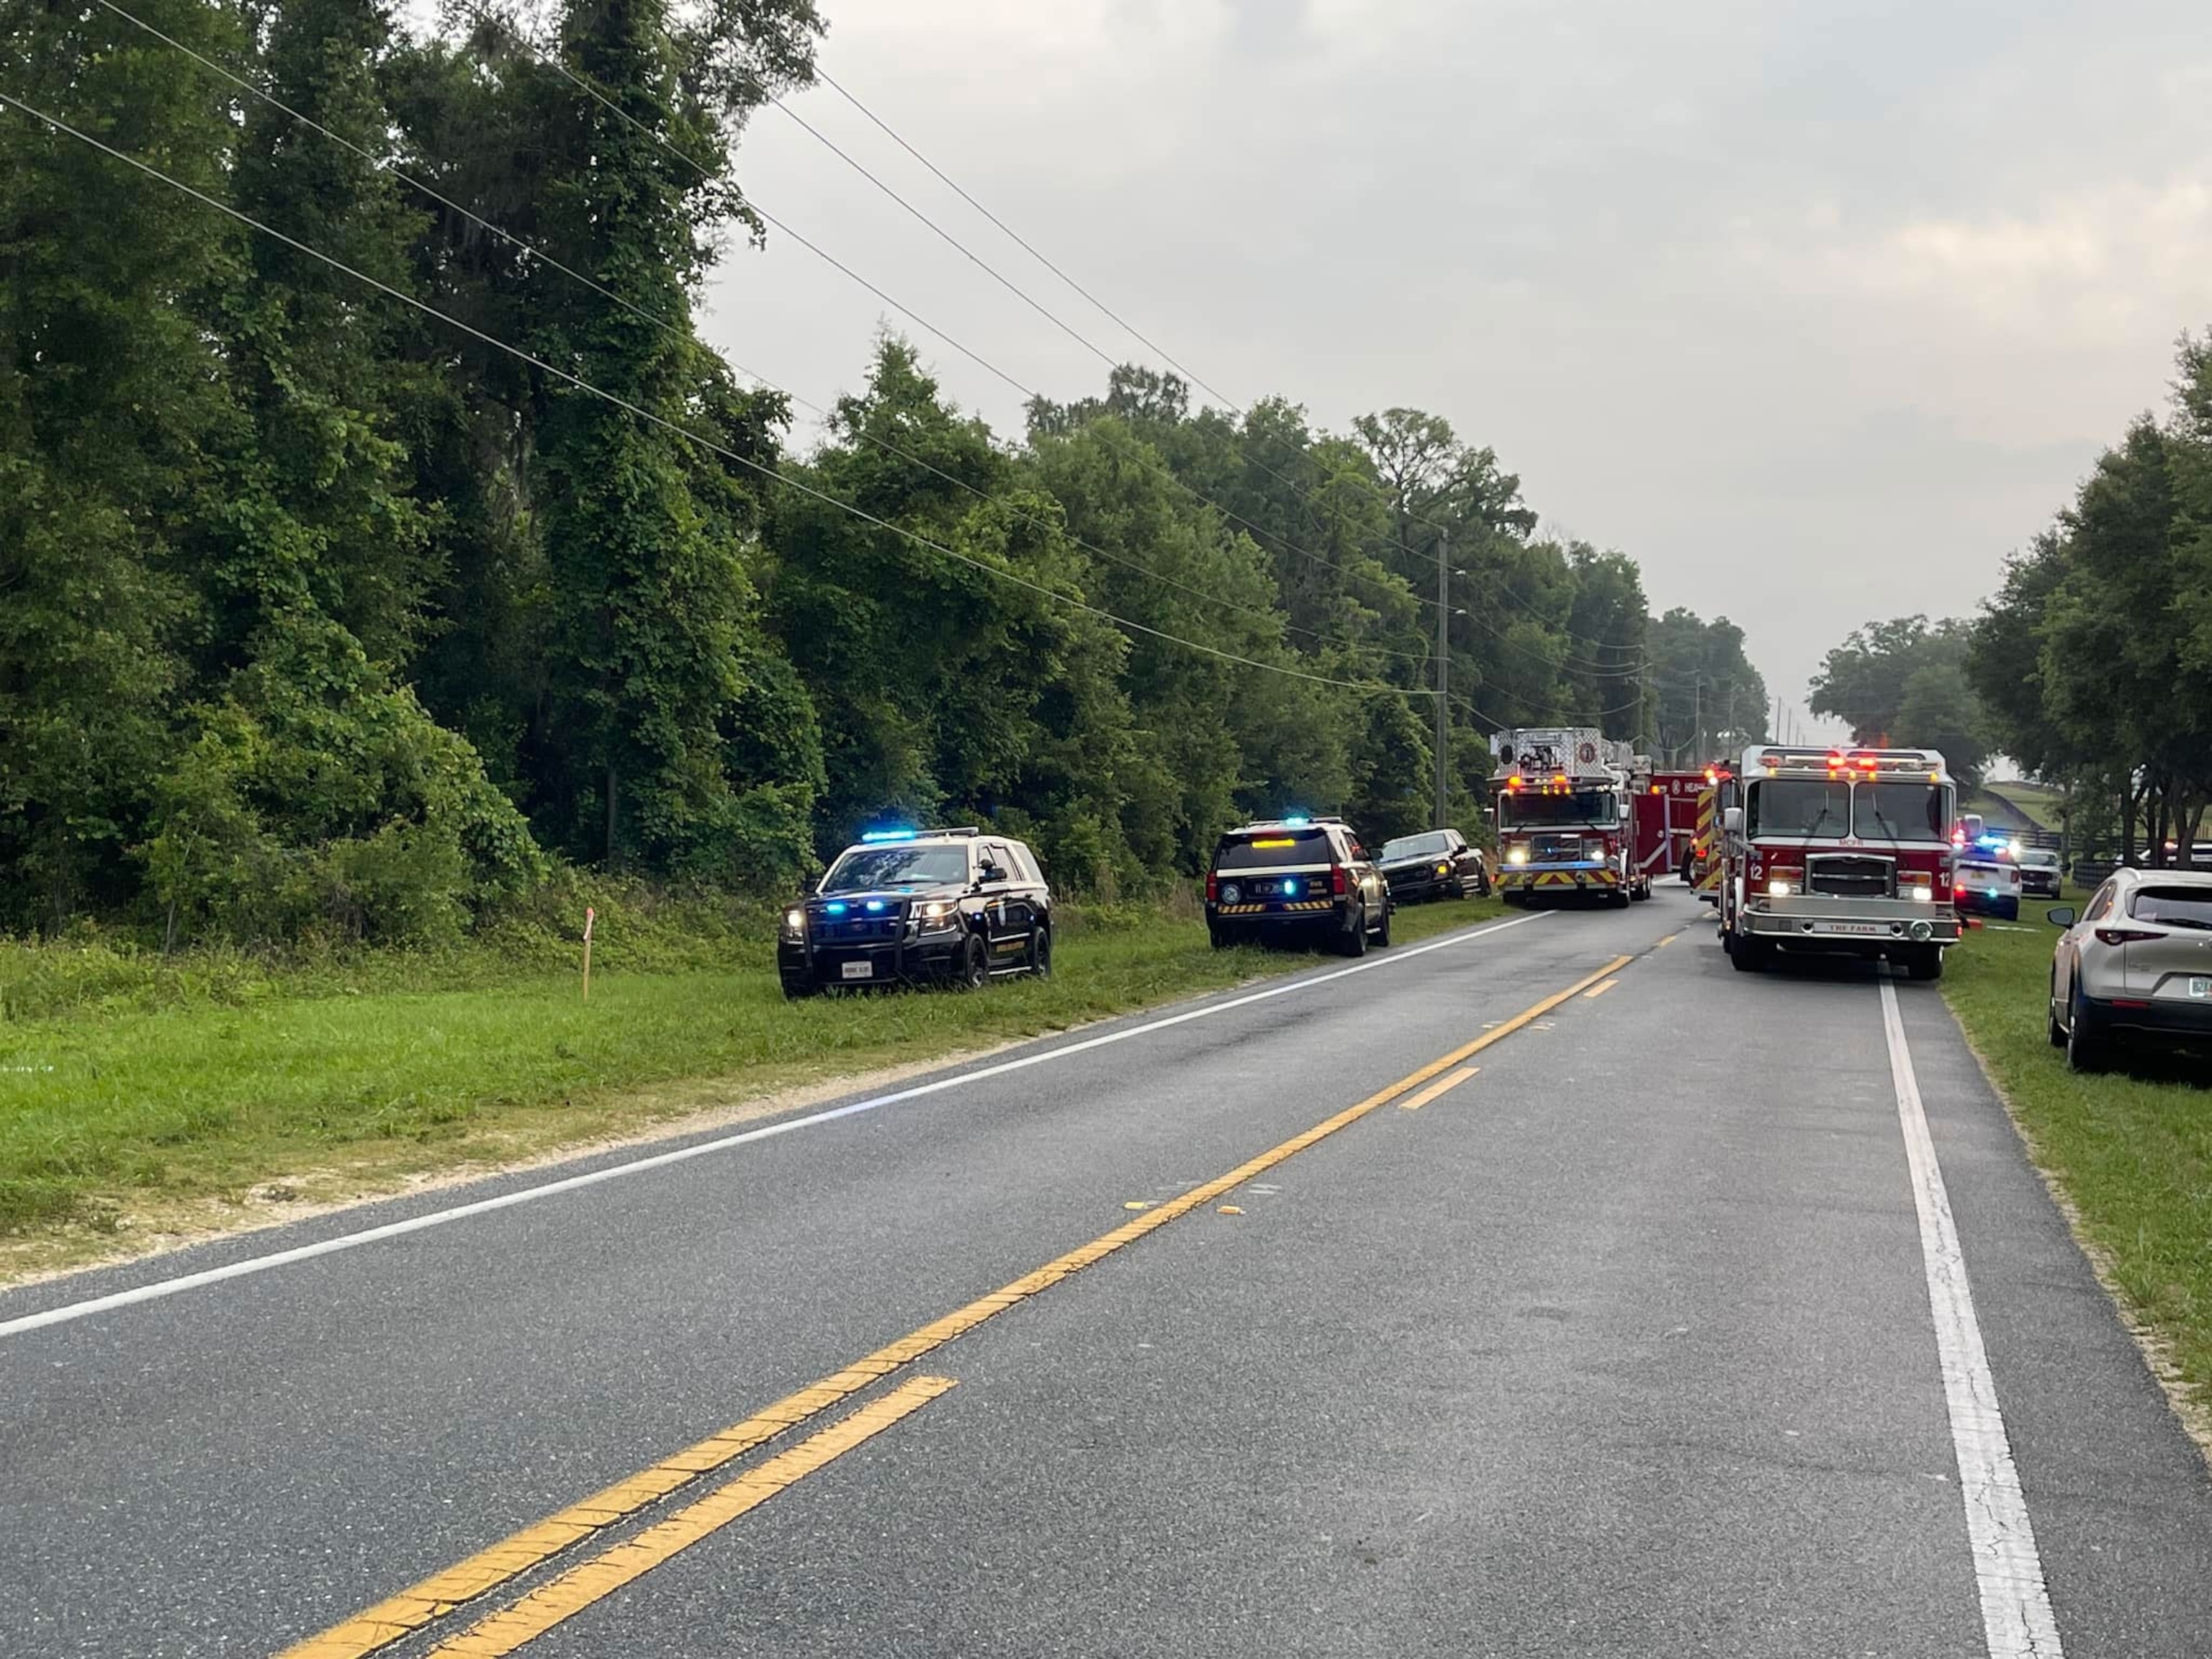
{"type": "Point", "coordinates": [858, 970]}
{"type": "Point", "coordinates": [2200, 987]}
{"type": "Point", "coordinates": [1854, 928]}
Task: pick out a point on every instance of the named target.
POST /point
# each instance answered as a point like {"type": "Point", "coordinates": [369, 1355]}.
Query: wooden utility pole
{"type": "Point", "coordinates": [1444, 679]}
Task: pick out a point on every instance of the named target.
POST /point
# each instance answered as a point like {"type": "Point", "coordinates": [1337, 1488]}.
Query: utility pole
{"type": "Point", "coordinates": [1444, 679]}
{"type": "Point", "coordinates": [1697, 711]}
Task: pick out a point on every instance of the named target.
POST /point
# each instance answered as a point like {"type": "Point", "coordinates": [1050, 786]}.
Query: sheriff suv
{"type": "Point", "coordinates": [1299, 879]}
{"type": "Point", "coordinates": [920, 906]}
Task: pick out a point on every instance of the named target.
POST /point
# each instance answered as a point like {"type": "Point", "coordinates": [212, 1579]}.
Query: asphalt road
{"type": "Point", "coordinates": [1622, 1345]}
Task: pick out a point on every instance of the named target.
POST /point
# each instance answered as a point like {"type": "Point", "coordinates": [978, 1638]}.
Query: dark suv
{"type": "Point", "coordinates": [903, 906]}
{"type": "Point", "coordinates": [1436, 864]}
{"type": "Point", "coordinates": [1297, 878]}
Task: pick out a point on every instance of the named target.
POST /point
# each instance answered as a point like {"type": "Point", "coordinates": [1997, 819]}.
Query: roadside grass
{"type": "Point", "coordinates": [2131, 1150]}
{"type": "Point", "coordinates": [140, 1099]}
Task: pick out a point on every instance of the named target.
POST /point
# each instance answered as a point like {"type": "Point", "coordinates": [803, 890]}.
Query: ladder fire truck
{"type": "Point", "coordinates": [1567, 801]}
{"type": "Point", "coordinates": [1838, 852]}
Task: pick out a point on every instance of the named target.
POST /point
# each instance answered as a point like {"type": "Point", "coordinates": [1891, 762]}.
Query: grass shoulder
{"type": "Point", "coordinates": [144, 1101]}
{"type": "Point", "coordinates": [2130, 1151]}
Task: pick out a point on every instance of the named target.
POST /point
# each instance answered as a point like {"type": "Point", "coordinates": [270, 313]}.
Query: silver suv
{"type": "Point", "coordinates": [2135, 966]}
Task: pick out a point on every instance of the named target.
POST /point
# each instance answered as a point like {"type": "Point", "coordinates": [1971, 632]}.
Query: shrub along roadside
{"type": "Point", "coordinates": [144, 1096]}
{"type": "Point", "coordinates": [2132, 1150]}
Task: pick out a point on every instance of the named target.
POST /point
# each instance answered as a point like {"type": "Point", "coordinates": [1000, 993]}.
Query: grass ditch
{"type": "Point", "coordinates": [142, 1099]}
{"type": "Point", "coordinates": [2129, 1150]}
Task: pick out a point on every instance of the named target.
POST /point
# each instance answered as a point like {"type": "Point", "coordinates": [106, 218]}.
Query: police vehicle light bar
{"type": "Point", "coordinates": [877, 837]}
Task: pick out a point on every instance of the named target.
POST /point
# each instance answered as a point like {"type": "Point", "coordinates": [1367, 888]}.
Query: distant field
{"type": "Point", "coordinates": [2132, 1150]}
{"type": "Point", "coordinates": [2037, 802]}
{"type": "Point", "coordinates": [138, 1097]}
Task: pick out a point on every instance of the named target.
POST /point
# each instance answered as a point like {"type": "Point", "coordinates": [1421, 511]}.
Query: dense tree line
{"type": "Point", "coordinates": [2094, 660]}
{"type": "Point", "coordinates": [353, 599]}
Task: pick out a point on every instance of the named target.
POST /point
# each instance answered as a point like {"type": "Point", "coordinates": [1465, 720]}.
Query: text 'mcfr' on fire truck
{"type": "Point", "coordinates": [1838, 852]}
{"type": "Point", "coordinates": [1566, 815]}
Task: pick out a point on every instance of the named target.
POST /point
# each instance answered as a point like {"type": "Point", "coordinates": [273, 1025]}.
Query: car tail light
{"type": "Point", "coordinates": [2123, 935]}
{"type": "Point", "coordinates": [1337, 883]}
{"type": "Point", "coordinates": [1212, 888]}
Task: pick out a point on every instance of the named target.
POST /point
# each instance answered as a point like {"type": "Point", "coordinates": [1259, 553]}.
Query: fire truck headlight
{"type": "Point", "coordinates": [1517, 855]}
{"type": "Point", "coordinates": [1778, 890]}
{"type": "Point", "coordinates": [1924, 895]}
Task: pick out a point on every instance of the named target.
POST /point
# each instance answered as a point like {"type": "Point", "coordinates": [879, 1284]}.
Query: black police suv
{"type": "Point", "coordinates": [1436, 864]}
{"type": "Point", "coordinates": [910, 906]}
{"type": "Point", "coordinates": [1296, 880]}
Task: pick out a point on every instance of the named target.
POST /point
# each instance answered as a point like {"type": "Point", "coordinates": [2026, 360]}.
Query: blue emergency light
{"type": "Point", "coordinates": [1290, 890]}
{"type": "Point", "coordinates": [875, 904]}
{"type": "Point", "coordinates": [873, 836]}
{"type": "Point", "coordinates": [1298, 822]}
{"type": "Point", "coordinates": [835, 910]}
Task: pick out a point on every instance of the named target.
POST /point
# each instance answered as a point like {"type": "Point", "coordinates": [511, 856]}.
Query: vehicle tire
{"type": "Point", "coordinates": [1749, 955]}
{"type": "Point", "coordinates": [2009, 911]}
{"type": "Point", "coordinates": [2051, 1027]}
{"type": "Point", "coordinates": [1354, 944]}
{"type": "Point", "coordinates": [1620, 898]}
{"type": "Point", "coordinates": [1926, 963]}
{"type": "Point", "coordinates": [1219, 937]}
{"type": "Point", "coordinates": [2087, 1050]}
{"type": "Point", "coordinates": [973, 971]}
{"type": "Point", "coordinates": [1040, 956]}
{"type": "Point", "coordinates": [1482, 888]}
{"type": "Point", "coordinates": [1383, 933]}
{"type": "Point", "coordinates": [797, 990]}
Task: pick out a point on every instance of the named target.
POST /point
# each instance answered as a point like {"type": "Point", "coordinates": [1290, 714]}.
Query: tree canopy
{"type": "Point", "coordinates": [368, 555]}
{"type": "Point", "coordinates": [1903, 683]}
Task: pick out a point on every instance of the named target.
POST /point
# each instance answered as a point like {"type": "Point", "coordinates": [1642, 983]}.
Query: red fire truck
{"type": "Point", "coordinates": [1838, 852]}
{"type": "Point", "coordinates": [1567, 812]}
{"type": "Point", "coordinates": [1666, 822]}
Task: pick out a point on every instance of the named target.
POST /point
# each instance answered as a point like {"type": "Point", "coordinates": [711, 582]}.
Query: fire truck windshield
{"type": "Point", "coordinates": [1899, 811]}
{"type": "Point", "coordinates": [1799, 806]}
{"type": "Point", "coordinates": [1599, 807]}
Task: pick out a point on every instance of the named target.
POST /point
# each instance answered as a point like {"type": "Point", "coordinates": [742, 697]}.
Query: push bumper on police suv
{"type": "Point", "coordinates": [870, 939]}
{"type": "Point", "coordinates": [1866, 926]}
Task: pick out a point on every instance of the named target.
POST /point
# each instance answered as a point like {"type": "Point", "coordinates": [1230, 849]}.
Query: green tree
{"type": "Point", "coordinates": [1903, 683]}
{"type": "Point", "coordinates": [649, 610]}
{"type": "Point", "coordinates": [1707, 701]}
{"type": "Point", "coordinates": [114, 415]}
{"type": "Point", "coordinates": [944, 687]}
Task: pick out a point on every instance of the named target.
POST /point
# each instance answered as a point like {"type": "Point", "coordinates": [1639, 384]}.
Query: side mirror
{"type": "Point", "coordinates": [2061, 916]}
{"type": "Point", "coordinates": [1732, 820]}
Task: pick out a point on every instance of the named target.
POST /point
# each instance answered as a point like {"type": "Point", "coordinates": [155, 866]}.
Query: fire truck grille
{"type": "Point", "coordinates": [1557, 849]}
{"type": "Point", "coordinates": [1848, 877]}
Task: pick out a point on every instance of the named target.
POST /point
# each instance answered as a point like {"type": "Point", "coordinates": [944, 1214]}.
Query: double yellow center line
{"type": "Point", "coordinates": [443, 1593]}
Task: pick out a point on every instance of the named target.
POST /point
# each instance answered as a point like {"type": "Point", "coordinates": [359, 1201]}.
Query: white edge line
{"type": "Point", "coordinates": [2017, 1621]}
{"type": "Point", "coordinates": [165, 1287]}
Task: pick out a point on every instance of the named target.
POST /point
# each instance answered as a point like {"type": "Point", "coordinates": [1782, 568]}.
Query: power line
{"type": "Point", "coordinates": [1091, 346]}
{"type": "Point", "coordinates": [687, 337]}
{"type": "Point", "coordinates": [644, 414]}
{"type": "Point", "coordinates": [554, 62]}
{"type": "Point", "coordinates": [1023, 243]}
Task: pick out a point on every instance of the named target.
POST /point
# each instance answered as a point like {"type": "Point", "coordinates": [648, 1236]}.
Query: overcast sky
{"type": "Point", "coordinates": [1817, 309]}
